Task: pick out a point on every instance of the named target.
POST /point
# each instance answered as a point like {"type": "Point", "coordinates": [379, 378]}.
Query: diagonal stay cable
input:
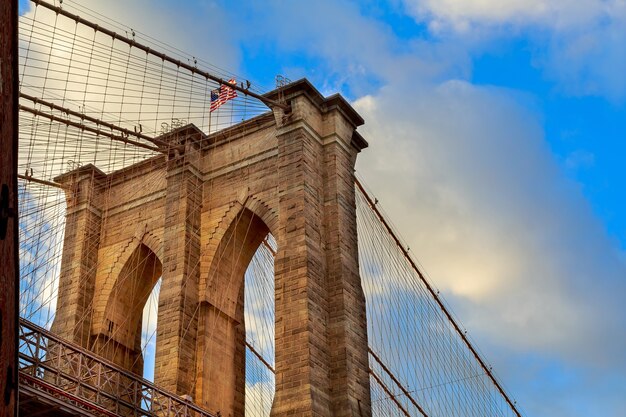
{"type": "Point", "coordinates": [432, 292]}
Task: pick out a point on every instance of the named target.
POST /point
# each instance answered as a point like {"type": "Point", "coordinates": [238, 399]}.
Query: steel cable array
{"type": "Point", "coordinates": [109, 98]}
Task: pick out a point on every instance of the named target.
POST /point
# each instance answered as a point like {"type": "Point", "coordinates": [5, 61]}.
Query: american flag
{"type": "Point", "coordinates": [221, 95]}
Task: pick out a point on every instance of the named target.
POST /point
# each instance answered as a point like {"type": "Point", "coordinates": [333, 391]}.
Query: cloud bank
{"type": "Point", "coordinates": [555, 13]}
{"type": "Point", "coordinates": [577, 43]}
{"type": "Point", "coordinates": [466, 173]}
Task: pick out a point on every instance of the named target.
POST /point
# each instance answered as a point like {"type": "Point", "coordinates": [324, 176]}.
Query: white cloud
{"type": "Point", "coordinates": [189, 31]}
{"type": "Point", "coordinates": [580, 159]}
{"type": "Point", "coordinates": [590, 59]}
{"type": "Point", "coordinates": [577, 43]}
{"type": "Point", "coordinates": [350, 51]}
{"type": "Point", "coordinates": [461, 14]}
{"type": "Point", "coordinates": [483, 205]}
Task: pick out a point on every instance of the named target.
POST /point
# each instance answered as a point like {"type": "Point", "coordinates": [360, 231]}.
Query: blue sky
{"type": "Point", "coordinates": [497, 131]}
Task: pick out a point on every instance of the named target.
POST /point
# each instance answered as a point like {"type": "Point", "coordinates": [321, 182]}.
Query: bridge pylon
{"type": "Point", "coordinates": [195, 216]}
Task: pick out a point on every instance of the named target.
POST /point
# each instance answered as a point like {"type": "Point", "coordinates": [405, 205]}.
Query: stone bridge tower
{"type": "Point", "coordinates": [195, 216]}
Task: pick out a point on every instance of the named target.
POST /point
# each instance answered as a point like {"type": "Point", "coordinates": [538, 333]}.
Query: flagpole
{"type": "Point", "coordinates": [210, 114]}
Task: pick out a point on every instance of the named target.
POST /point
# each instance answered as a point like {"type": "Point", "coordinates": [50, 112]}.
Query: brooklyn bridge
{"type": "Point", "coordinates": [191, 245]}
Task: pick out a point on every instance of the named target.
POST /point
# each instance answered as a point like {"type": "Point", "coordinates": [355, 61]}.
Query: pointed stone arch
{"type": "Point", "coordinates": [107, 279]}
{"type": "Point", "coordinates": [221, 341]}
{"type": "Point", "coordinates": [117, 336]}
{"type": "Point", "coordinates": [253, 204]}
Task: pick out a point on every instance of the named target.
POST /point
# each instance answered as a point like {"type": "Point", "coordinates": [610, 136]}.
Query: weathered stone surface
{"type": "Point", "coordinates": [196, 216]}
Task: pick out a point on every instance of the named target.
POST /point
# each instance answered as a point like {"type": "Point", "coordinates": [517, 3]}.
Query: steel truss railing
{"type": "Point", "coordinates": [83, 380]}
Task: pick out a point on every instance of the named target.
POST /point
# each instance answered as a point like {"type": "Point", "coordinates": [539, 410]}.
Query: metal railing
{"type": "Point", "coordinates": [80, 378]}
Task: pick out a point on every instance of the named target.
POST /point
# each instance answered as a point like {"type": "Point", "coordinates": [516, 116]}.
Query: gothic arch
{"type": "Point", "coordinates": [262, 210]}
{"type": "Point", "coordinates": [252, 204]}
{"type": "Point", "coordinates": [109, 278]}
{"type": "Point", "coordinates": [221, 347]}
{"type": "Point", "coordinates": [117, 336]}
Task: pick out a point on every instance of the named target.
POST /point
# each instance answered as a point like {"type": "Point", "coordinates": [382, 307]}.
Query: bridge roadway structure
{"type": "Point", "coordinates": [59, 378]}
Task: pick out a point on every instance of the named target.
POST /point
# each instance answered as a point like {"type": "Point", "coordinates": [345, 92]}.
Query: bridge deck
{"type": "Point", "coordinates": [58, 378]}
{"type": "Point", "coordinates": [38, 398]}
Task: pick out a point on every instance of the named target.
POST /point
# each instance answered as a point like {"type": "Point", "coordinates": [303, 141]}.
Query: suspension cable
{"type": "Point", "coordinates": [267, 101]}
{"type": "Point", "coordinates": [433, 293]}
